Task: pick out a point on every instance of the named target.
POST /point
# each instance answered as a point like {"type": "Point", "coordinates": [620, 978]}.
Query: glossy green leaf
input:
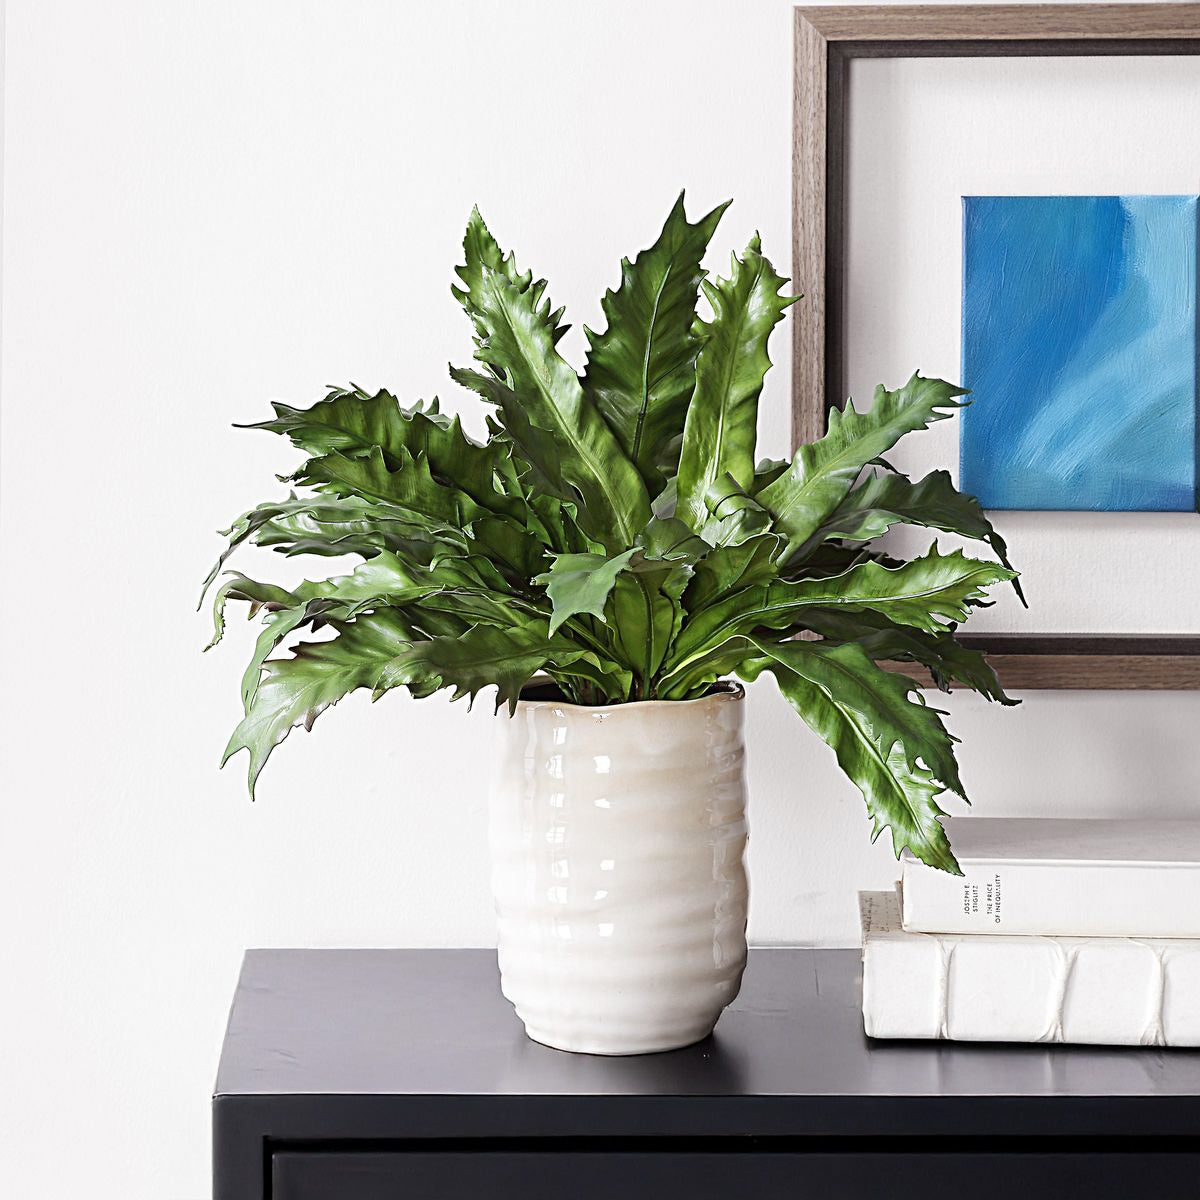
{"type": "Point", "coordinates": [642, 368]}
{"type": "Point", "coordinates": [725, 570]}
{"type": "Point", "coordinates": [719, 432]}
{"type": "Point", "coordinates": [581, 583]}
{"type": "Point", "coordinates": [947, 659]}
{"type": "Point", "coordinates": [518, 551]}
{"type": "Point", "coordinates": [411, 486]}
{"type": "Point", "coordinates": [932, 593]}
{"type": "Point", "coordinates": [352, 423]}
{"type": "Point", "coordinates": [295, 691]}
{"type": "Point", "coordinates": [534, 450]}
{"type": "Point", "coordinates": [734, 515]}
{"type": "Point", "coordinates": [483, 257]}
{"type": "Point", "coordinates": [823, 472]}
{"type": "Point", "coordinates": [349, 420]}
{"type": "Point", "coordinates": [245, 528]}
{"type": "Point", "coordinates": [894, 747]}
{"type": "Point", "coordinates": [545, 411]}
{"type": "Point", "coordinates": [332, 526]}
{"type": "Point", "coordinates": [258, 595]}
{"type": "Point", "coordinates": [593, 679]}
{"type": "Point", "coordinates": [670, 538]}
{"type": "Point", "coordinates": [647, 615]}
{"type": "Point", "coordinates": [481, 657]}
{"type": "Point", "coordinates": [382, 581]}
{"type": "Point", "coordinates": [888, 499]}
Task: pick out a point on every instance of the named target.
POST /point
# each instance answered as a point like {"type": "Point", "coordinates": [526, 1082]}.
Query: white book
{"type": "Point", "coordinates": [1000, 988]}
{"type": "Point", "coordinates": [1074, 877]}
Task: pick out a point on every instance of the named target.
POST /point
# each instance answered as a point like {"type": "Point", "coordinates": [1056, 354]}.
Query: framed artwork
{"type": "Point", "coordinates": [998, 188]}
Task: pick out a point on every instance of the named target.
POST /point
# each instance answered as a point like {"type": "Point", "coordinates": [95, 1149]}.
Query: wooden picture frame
{"type": "Point", "coordinates": [826, 41]}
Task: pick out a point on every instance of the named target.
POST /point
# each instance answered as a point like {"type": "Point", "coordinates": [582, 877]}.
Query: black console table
{"type": "Point", "coordinates": [404, 1075]}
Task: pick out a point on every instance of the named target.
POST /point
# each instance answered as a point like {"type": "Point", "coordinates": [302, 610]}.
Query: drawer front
{"type": "Point", "coordinates": [660, 1175]}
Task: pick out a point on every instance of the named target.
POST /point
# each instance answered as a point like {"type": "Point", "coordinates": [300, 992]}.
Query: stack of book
{"type": "Point", "coordinates": [1057, 931]}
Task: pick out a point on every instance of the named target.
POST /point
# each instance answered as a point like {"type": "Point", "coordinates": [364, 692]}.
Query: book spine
{"type": "Point", "coordinates": [1055, 899]}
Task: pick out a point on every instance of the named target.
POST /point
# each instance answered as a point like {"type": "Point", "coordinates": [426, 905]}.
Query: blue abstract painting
{"type": "Point", "coordinates": [1079, 348]}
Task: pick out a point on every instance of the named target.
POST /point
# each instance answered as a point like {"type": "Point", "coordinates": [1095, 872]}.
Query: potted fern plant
{"type": "Point", "coordinates": [611, 559]}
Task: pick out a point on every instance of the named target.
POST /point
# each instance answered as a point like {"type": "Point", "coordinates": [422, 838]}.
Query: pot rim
{"type": "Point", "coordinates": [723, 690]}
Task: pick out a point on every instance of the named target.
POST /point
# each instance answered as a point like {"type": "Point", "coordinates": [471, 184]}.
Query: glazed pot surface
{"type": "Point", "coordinates": [617, 837]}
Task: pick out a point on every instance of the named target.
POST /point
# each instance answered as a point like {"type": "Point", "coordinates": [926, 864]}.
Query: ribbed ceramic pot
{"type": "Point", "coordinates": [617, 836]}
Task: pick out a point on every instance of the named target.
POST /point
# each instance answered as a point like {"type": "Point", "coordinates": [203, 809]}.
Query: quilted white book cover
{"type": "Point", "coordinates": [1002, 988]}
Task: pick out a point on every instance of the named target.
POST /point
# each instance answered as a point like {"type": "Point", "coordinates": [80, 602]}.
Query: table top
{"type": "Point", "coordinates": [432, 1023]}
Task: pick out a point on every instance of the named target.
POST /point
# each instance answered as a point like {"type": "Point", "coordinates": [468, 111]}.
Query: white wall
{"type": "Point", "coordinates": [208, 204]}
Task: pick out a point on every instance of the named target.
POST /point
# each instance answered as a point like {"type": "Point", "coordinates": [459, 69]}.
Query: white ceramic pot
{"type": "Point", "coordinates": [617, 836]}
